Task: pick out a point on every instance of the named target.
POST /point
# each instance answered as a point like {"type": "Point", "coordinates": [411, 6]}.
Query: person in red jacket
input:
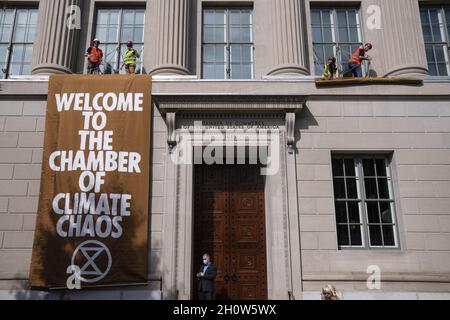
{"type": "Point", "coordinates": [95, 57]}
{"type": "Point", "coordinates": [357, 58]}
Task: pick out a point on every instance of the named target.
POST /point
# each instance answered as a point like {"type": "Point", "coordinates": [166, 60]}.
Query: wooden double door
{"type": "Point", "coordinates": [229, 224]}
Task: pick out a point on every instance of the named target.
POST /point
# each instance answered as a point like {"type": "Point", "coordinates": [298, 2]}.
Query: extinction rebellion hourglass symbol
{"type": "Point", "coordinates": [94, 261]}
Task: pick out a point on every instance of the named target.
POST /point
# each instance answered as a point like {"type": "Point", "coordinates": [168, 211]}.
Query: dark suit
{"type": "Point", "coordinates": [206, 283]}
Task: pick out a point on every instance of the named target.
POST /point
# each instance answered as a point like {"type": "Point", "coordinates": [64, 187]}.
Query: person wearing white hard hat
{"type": "Point", "coordinates": [95, 57]}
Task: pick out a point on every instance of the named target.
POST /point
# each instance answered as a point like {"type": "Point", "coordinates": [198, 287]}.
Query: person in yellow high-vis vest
{"type": "Point", "coordinates": [130, 58]}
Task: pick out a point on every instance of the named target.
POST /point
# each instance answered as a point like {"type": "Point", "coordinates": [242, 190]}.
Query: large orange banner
{"type": "Point", "coordinates": [92, 222]}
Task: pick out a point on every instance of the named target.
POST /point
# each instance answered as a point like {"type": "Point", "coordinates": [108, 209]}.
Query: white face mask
{"type": "Point", "coordinates": [205, 261]}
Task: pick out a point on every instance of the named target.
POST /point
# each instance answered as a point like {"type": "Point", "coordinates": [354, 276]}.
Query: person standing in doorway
{"type": "Point", "coordinates": [206, 276]}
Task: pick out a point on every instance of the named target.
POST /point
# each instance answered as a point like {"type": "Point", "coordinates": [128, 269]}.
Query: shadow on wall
{"type": "Point", "coordinates": [305, 120]}
{"type": "Point", "coordinates": [21, 291]}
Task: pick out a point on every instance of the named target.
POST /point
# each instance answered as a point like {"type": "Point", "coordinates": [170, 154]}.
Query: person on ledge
{"type": "Point", "coordinates": [130, 58]}
{"type": "Point", "coordinates": [206, 276]}
{"type": "Point", "coordinates": [357, 58]}
{"type": "Point", "coordinates": [95, 57]}
{"type": "Point", "coordinates": [330, 69]}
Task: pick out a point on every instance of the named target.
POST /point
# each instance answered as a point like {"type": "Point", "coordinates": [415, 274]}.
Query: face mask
{"type": "Point", "coordinates": [205, 261]}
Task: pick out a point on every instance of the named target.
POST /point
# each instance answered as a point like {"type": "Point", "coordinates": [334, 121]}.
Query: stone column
{"type": "Point", "coordinates": [398, 45]}
{"type": "Point", "coordinates": [171, 37]}
{"type": "Point", "coordinates": [289, 38]}
{"type": "Point", "coordinates": [56, 43]}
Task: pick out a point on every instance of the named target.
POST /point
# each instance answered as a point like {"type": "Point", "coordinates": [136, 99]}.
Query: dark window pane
{"type": "Point", "coordinates": [352, 17]}
{"type": "Point", "coordinates": [372, 212]}
{"type": "Point", "coordinates": [440, 55]}
{"type": "Point", "coordinates": [424, 16]}
{"type": "Point", "coordinates": [442, 67]}
{"type": "Point", "coordinates": [388, 235]}
{"type": "Point", "coordinates": [338, 168]}
{"type": "Point", "coordinates": [437, 37]}
{"type": "Point", "coordinates": [339, 188]}
{"type": "Point", "coordinates": [428, 37]}
{"type": "Point", "coordinates": [433, 70]}
{"type": "Point", "coordinates": [315, 17]}
{"type": "Point", "coordinates": [369, 168]}
{"type": "Point", "coordinates": [354, 35]}
{"type": "Point", "coordinates": [350, 168]}
{"type": "Point", "coordinates": [371, 188]}
{"type": "Point", "coordinates": [352, 192]}
{"type": "Point", "coordinates": [430, 54]}
{"type": "Point", "coordinates": [317, 34]}
{"type": "Point", "coordinates": [342, 17]}
{"type": "Point", "coordinates": [383, 188]}
{"type": "Point", "coordinates": [353, 212]}
{"type": "Point", "coordinates": [386, 214]}
{"type": "Point", "coordinates": [343, 35]}
{"type": "Point", "coordinates": [327, 34]}
{"type": "Point", "coordinates": [326, 17]}
{"type": "Point", "coordinates": [355, 234]}
{"type": "Point", "coordinates": [341, 212]}
{"type": "Point", "coordinates": [375, 236]}
{"type": "Point", "coordinates": [381, 168]}
{"type": "Point", "coordinates": [342, 232]}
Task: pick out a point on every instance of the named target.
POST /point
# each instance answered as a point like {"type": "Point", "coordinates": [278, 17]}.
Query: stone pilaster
{"type": "Point", "coordinates": [398, 45]}
{"type": "Point", "coordinates": [289, 38]}
{"type": "Point", "coordinates": [171, 35]}
{"type": "Point", "coordinates": [56, 43]}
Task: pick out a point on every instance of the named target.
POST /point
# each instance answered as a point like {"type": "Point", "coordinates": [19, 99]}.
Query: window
{"type": "Point", "coordinates": [335, 32]}
{"type": "Point", "coordinates": [227, 44]}
{"type": "Point", "coordinates": [364, 202]}
{"type": "Point", "coordinates": [17, 32]}
{"type": "Point", "coordinates": [436, 32]}
{"type": "Point", "coordinates": [115, 27]}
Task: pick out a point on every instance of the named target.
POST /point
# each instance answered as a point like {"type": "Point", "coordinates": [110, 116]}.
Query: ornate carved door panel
{"type": "Point", "coordinates": [230, 225]}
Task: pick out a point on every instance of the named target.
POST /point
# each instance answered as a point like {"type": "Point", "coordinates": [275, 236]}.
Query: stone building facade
{"type": "Point", "coordinates": [329, 141]}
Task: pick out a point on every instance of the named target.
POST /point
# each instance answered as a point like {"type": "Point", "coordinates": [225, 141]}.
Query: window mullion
{"type": "Point", "coordinates": [119, 39]}
{"type": "Point", "coordinates": [363, 203]}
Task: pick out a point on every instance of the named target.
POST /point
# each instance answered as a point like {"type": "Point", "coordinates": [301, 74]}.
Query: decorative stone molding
{"type": "Point", "coordinates": [56, 43]}
{"type": "Point", "coordinates": [171, 133]}
{"type": "Point", "coordinates": [290, 130]}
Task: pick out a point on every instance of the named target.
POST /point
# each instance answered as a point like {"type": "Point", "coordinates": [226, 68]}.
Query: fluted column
{"type": "Point", "coordinates": [289, 37]}
{"type": "Point", "coordinates": [57, 43]}
{"type": "Point", "coordinates": [172, 34]}
{"type": "Point", "coordinates": [398, 45]}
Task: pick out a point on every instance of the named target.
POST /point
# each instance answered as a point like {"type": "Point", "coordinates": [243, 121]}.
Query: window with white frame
{"type": "Point", "coordinates": [436, 34]}
{"type": "Point", "coordinates": [335, 32]}
{"type": "Point", "coordinates": [114, 28]}
{"type": "Point", "coordinates": [17, 33]}
{"type": "Point", "coordinates": [227, 45]}
{"type": "Point", "coordinates": [364, 202]}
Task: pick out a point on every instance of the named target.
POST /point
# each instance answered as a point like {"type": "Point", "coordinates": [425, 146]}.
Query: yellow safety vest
{"type": "Point", "coordinates": [130, 57]}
